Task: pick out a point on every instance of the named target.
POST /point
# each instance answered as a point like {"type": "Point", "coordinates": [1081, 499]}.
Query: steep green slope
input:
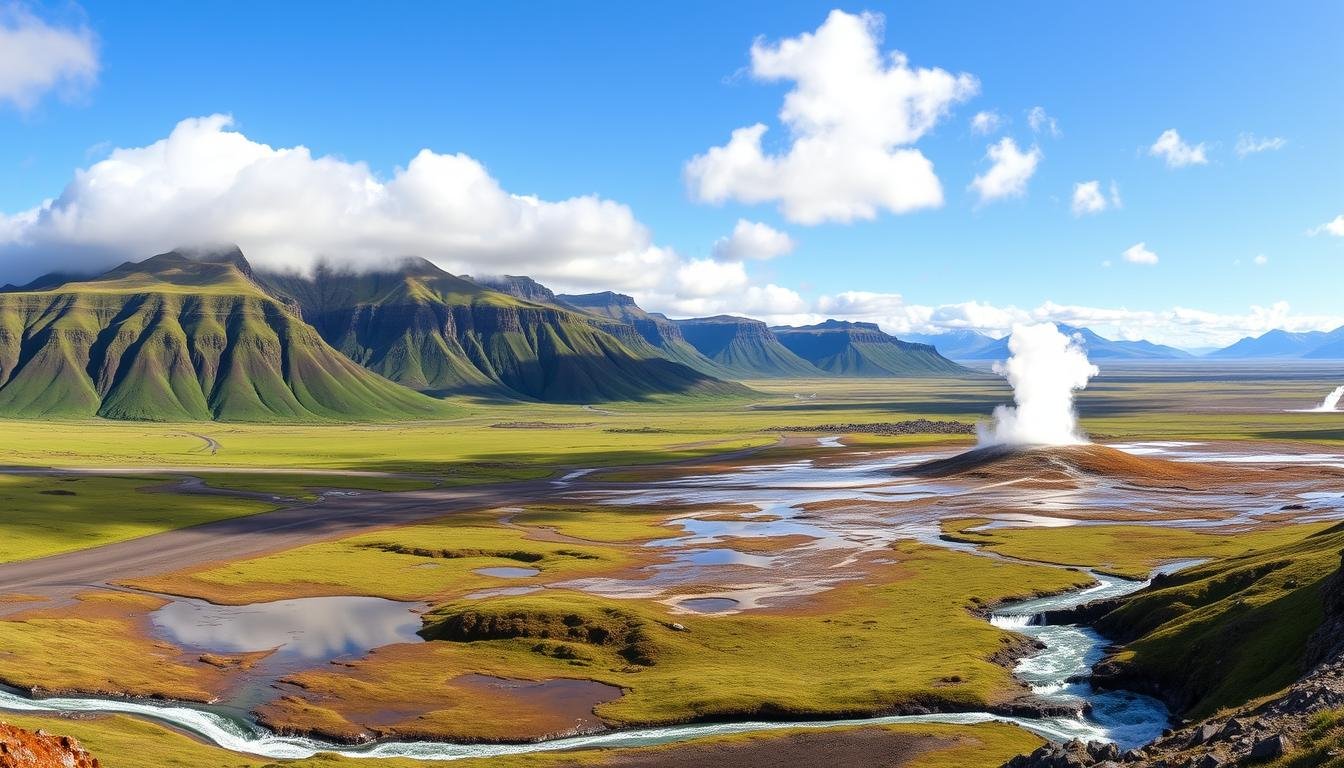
{"type": "Point", "coordinates": [1224, 633]}
{"type": "Point", "coordinates": [744, 347]}
{"type": "Point", "coordinates": [172, 338]}
{"type": "Point", "coordinates": [862, 349]}
{"type": "Point", "coordinates": [435, 332]}
{"type": "Point", "coordinates": [658, 331]}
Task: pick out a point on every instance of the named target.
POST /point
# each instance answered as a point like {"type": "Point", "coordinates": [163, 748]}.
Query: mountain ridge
{"type": "Point", "coordinates": [180, 338]}
{"type": "Point", "coordinates": [446, 335]}
{"type": "Point", "coordinates": [847, 348]}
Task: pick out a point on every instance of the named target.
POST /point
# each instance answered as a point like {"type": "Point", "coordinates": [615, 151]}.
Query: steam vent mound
{"type": "Point", "coordinates": [1073, 463]}
{"type": "Point", "coordinates": [29, 749]}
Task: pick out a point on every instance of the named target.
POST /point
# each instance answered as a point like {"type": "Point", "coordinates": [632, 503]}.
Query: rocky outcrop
{"type": "Point", "coordinates": [38, 749]}
{"type": "Point", "coordinates": [1327, 642]}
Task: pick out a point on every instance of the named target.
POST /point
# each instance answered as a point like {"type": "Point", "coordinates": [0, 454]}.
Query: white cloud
{"type": "Point", "coordinates": [773, 303]}
{"type": "Point", "coordinates": [852, 115]}
{"type": "Point", "coordinates": [1176, 152]}
{"type": "Point", "coordinates": [1249, 144]}
{"type": "Point", "coordinates": [1333, 227]}
{"type": "Point", "coordinates": [706, 277]}
{"type": "Point", "coordinates": [1040, 120]}
{"type": "Point", "coordinates": [987, 122]}
{"type": "Point", "coordinates": [1180, 326]}
{"type": "Point", "coordinates": [37, 57]}
{"type": "Point", "coordinates": [1087, 198]}
{"type": "Point", "coordinates": [752, 240]}
{"type": "Point", "coordinates": [1139, 254]}
{"type": "Point", "coordinates": [1261, 260]}
{"type": "Point", "coordinates": [1009, 173]}
{"type": "Point", "coordinates": [208, 184]}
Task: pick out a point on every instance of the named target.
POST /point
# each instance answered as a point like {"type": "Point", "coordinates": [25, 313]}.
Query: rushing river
{"type": "Point", "coordinates": [1069, 653]}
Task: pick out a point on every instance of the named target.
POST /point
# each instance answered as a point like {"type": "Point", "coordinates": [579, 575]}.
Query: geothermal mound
{"type": "Point", "coordinates": [1070, 463]}
{"type": "Point", "coordinates": [28, 749]}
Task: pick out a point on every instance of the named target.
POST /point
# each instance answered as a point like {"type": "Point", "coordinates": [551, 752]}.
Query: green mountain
{"type": "Point", "coordinates": [176, 338]}
{"type": "Point", "coordinates": [438, 333]}
{"type": "Point", "coordinates": [517, 286]}
{"type": "Point", "coordinates": [862, 349]}
{"type": "Point", "coordinates": [663, 334]}
{"type": "Point", "coordinates": [744, 347]}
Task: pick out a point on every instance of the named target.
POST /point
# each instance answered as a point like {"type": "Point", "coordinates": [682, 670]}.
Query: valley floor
{"type": "Point", "coordinates": [721, 561]}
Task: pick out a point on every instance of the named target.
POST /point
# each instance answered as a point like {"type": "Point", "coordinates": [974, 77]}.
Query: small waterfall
{"type": "Point", "coordinates": [1013, 620]}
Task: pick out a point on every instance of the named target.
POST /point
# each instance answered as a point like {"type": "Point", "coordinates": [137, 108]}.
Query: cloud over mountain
{"type": "Point", "coordinates": [207, 183]}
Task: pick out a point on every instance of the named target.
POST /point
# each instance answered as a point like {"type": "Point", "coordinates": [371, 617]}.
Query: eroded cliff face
{"type": "Point", "coordinates": [20, 748]}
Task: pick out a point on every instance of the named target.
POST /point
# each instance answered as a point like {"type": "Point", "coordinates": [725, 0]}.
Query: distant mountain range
{"type": "Point", "coordinates": [204, 336]}
{"type": "Point", "coordinates": [976, 346]}
{"type": "Point", "coordinates": [1283, 345]}
{"type": "Point", "coordinates": [190, 337]}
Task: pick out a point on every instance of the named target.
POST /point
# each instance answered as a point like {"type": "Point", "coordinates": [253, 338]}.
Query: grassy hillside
{"type": "Point", "coordinates": [1226, 632]}
{"type": "Point", "coordinates": [862, 349]}
{"type": "Point", "coordinates": [173, 339]}
{"type": "Point", "coordinates": [745, 348]}
{"type": "Point", "coordinates": [435, 332]}
{"type": "Point", "coordinates": [655, 329]}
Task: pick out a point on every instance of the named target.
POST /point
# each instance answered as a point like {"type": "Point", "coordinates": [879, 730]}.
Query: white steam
{"type": "Point", "coordinates": [1331, 402]}
{"type": "Point", "coordinates": [1045, 368]}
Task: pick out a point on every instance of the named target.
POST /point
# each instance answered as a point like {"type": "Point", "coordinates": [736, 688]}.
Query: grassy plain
{"type": "Point", "coordinates": [46, 515]}
{"type": "Point", "coordinates": [1128, 551]}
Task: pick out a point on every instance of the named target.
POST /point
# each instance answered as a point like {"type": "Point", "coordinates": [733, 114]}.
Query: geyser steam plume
{"type": "Point", "coordinates": [1331, 401]}
{"type": "Point", "coordinates": [1045, 368]}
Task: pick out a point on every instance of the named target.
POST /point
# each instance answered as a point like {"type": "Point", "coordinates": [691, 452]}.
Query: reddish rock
{"type": "Point", "coordinates": [28, 749]}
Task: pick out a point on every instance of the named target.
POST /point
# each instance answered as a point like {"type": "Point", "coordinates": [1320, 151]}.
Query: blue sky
{"type": "Point", "coordinates": [613, 100]}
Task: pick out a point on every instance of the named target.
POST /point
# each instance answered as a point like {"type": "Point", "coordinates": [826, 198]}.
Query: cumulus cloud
{"type": "Point", "coordinates": [1176, 152]}
{"type": "Point", "coordinates": [37, 57]}
{"type": "Point", "coordinates": [706, 277]}
{"type": "Point", "coordinates": [1041, 122]}
{"type": "Point", "coordinates": [1333, 227]}
{"type": "Point", "coordinates": [1250, 144]}
{"type": "Point", "coordinates": [752, 240]}
{"type": "Point", "coordinates": [773, 303]}
{"type": "Point", "coordinates": [852, 115]}
{"type": "Point", "coordinates": [1009, 172]}
{"type": "Point", "coordinates": [987, 122]}
{"type": "Point", "coordinates": [1139, 254]}
{"type": "Point", "coordinates": [1260, 260]}
{"type": "Point", "coordinates": [208, 184]}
